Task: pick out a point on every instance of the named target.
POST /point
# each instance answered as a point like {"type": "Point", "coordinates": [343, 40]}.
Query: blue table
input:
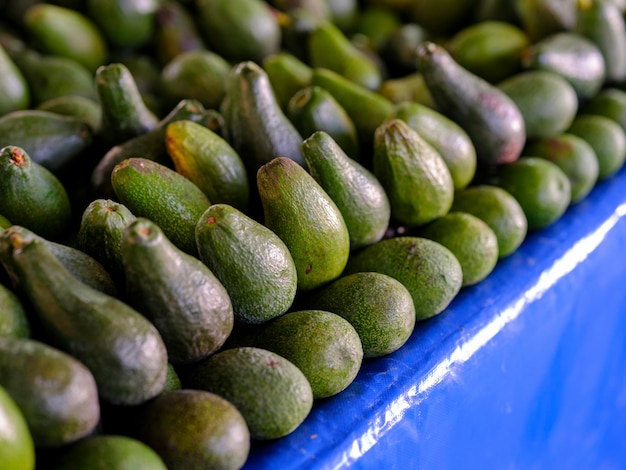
{"type": "Point", "coordinates": [525, 370]}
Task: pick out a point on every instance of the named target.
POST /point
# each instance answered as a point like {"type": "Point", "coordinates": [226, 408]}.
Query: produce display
{"type": "Point", "coordinates": [212, 212]}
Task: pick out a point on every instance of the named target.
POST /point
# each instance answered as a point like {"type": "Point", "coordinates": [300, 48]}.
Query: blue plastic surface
{"type": "Point", "coordinates": [525, 370]}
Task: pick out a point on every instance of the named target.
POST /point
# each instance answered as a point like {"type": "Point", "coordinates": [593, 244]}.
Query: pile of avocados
{"type": "Point", "coordinates": [213, 211]}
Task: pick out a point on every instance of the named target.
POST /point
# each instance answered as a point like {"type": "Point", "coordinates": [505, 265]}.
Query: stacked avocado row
{"type": "Point", "coordinates": [213, 211]}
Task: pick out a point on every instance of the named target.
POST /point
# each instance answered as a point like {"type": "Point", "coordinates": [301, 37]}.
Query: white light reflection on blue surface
{"type": "Point", "coordinates": [395, 410]}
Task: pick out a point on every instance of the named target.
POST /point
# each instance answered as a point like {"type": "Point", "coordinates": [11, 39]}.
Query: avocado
{"type": "Point", "coordinates": [208, 160]}
{"type": "Point", "coordinates": [379, 308]}
{"type": "Point", "coordinates": [257, 127]}
{"type": "Point", "coordinates": [540, 186]}
{"type": "Point", "coordinates": [13, 320]}
{"type": "Point", "coordinates": [287, 74]}
{"type": "Point", "coordinates": [124, 113]}
{"type": "Point", "coordinates": [51, 76]}
{"type": "Point", "coordinates": [84, 109]}
{"type": "Point", "coordinates": [50, 139]}
{"type": "Point", "coordinates": [470, 240]}
{"type": "Point", "coordinates": [366, 108]}
{"type": "Point", "coordinates": [67, 33]}
{"type": "Point", "coordinates": [62, 411]}
{"type": "Point", "coordinates": [606, 137]}
{"type": "Point", "coordinates": [13, 86]}
{"type": "Point", "coordinates": [574, 156]}
{"type": "Point", "coordinates": [429, 271]}
{"type": "Point", "coordinates": [271, 393]}
{"type": "Point", "coordinates": [108, 452]}
{"type": "Point", "coordinates": [176, 292]}
{"type": "Point", "coordinates": [175, 32]}
{"type": "Point", "coordinates": [156, 192]}
{"type": "Point", "coordinates": [195, 430]}
{"type": "Point", "coordinates": [410, 88]}
{"type": "Point", "coordinates": [329, 48]}
{"type": "Point", "coordinates": [498, 209]}
{"type": "Point", "coordinates": [490, 49]}
{"type": "Point", "coordinates": [414, 175]}
{"type": "Point", "coordinates": [172, 381]}
{"type": "Point", "coordinates": [547, 101]}
{"type": "Point", "coordinates": [124, 23]}
{"type": "Point", "coordinates": [30, 195]}
{"type": "Point", "coordinates": [199, 74]}
{"type": "Point", "coordinates": [306, 219]}
{"type": "Point", "coordinates": [313, 109]}
{"type": "Point", "coordinates": [445, 136]}
{"type": "Point", "coordinates": [440, 17]}
{"type": "Point", "coordinates": [571, 56]}
{"type": "Point", "coordinates": [123, 351]}
{"type": "Point", "coordinates": [100, 234]}
{"type": "Point", "coordinates": [358, 194]}
{"type": "Point", "coordinates": [239, 30]}
{"type": "Point", "coordinates": [17, 450]}
{"type": "Point", "coordinates": [611, 103]}
{"type": "Point", "coordinates": [323, 345]}
{"type": "Point", "coordinates": [603, 23]}
{"type": "Point", "coordinates": [541, 18]}
{"type": "Point", "coordinates": [252, 262]}
{"type": "Point", "coordinates": [399, 50]}
{"type": "Point", "coordinates": [488, 115]}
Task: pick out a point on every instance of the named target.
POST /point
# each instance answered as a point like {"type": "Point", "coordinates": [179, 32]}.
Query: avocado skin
{"type": "Point", "coordinates": [301, 213]}
{"type": "Point", "coordinates": [100, 235]}
{"type": "Point", "coordinates": [63, 411]}
{"type": "Point", "coordinates": [498, 209]}
{"type": "Point", "coordinates": [107, 452]}
{"type": "Point", "coordinates": [571, 56]}
{"type": "Point", "coordinates": [415, 176]}
{"type": "Point", "coordinates": [445, 136]}
{"type": "Point", "coordinates": [208, 160]}
{"type": "Point", "coordinates": [156, 192]}
{"type": "Point", "coordinates": [18, 449]}
{"type": "Point", "coordinates": [123, 351]}
{"type": "Point", "coordinates": [540, 186]}
{"type": "Point", "coordinates": [358, 194]}
{"type": "Point", "coordinates": [31, 195]}
{"type": "Point", "coordinates": [490, 118]}
{"type": "Point", "coordinates": [257, 127]}
{"type": "Point", "coordinates": [13, 320]}
{"type": "Point", "coordinates": [323, 345]}
{"type": "Point", "coordinates": [252, 262]}
{"type": "Point", "coordinates": [271, 393]}
{"type": "Point", "coordinates": [546, 100]}
{"type": "Point", "coordinates": [14, 89]}
{"type": "Point", "coordinates": [50, 139]}
{"type": "Point", "coordinates": [470, 240]}
{"type": "Point", "coordinates": [195, 430]}
{"type": "Point", "coordinates": [429, 271]}
{"type": "Point", "coordinates": [176, 292]}
{"type": "Point", "coordinates": [379, 308]}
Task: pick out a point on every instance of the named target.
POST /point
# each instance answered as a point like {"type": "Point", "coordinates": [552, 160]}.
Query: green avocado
{"type": "Point", "coordinates": [63, 411]}
{"type": "Point", "coordinates": [17, 450]}
{"type": "Point", "coordinates": [176, 292]}
{"type": "Point", "coordinates": [429, 271]}
{"type": "Point", "coordinates": [323, 345]}
{"type": "Point", "coordinates": [470, 240]}
{"type": "Point", "coordinates": [379, 308]}
{"type": "Point", "coordinates": [252, 262]}
{"type": "Point", "coordinates": [109, 452]}
{"type": "Point", "coordinates": [306, 219]}
{"type": "Point", "coordinates": [158, 193]}
{"type": "Point", "coordinates": [195, 430]}
{"type": "Point", "coordinates": [271, 393]}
